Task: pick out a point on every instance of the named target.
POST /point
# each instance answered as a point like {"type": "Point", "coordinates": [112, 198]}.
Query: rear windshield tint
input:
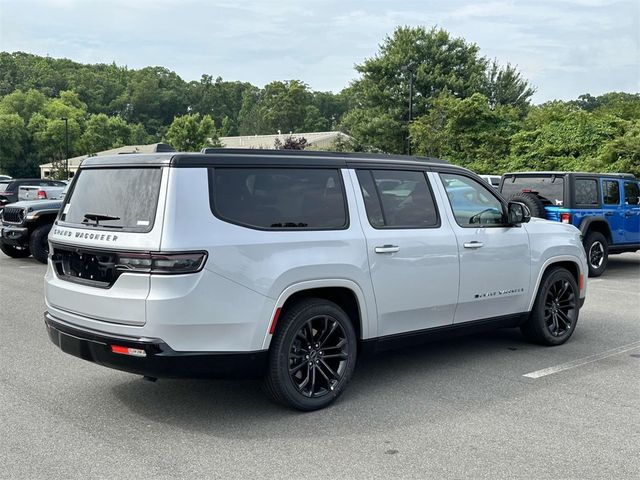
{"type": "Point", "coordinates": [121, 199]}
{"type": "Point", "coordinates": [550, 188]}
{"type": "Point", "coordinates": [279, 198]}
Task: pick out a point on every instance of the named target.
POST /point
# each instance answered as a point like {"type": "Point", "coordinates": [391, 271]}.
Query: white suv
{"type": "Point", "coordinates": [288, 264]}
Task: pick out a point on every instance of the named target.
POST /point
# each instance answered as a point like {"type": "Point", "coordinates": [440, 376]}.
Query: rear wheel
{"type": "Point", "coordinates": [39, 243]}
{"type": "Point", "coordinates": [312, 355]}
{"type": "Point", "coordinates": [597, 249]}
{"type": "Point", "coordinates": [555, 311]}
{"type": "Point", "coordinates": [13, 251]}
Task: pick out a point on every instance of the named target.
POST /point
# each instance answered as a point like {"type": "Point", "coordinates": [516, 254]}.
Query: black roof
{"type": "Point", "coordinates": [255, 157]}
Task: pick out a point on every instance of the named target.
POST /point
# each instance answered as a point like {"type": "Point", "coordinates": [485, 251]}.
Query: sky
{"type": "Point", "coordinates": [563, 47]}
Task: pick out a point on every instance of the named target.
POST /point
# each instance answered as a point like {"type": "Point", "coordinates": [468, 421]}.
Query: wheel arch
{"type": "Point", "coordinates": [568, 262]}
{"type": "Point", "coordinates": [596, 224]}
{"type": "Point", "coordinates": [345, 293]}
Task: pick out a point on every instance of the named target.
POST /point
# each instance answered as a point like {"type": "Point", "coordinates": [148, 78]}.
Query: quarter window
{"type": "Point", "coordinates": [397, 199]}
{"type": "Point", "coordinates": [611, 192]}
{"type": "Point", "coordinates": [472, 203]}
{"type": "Point", "coordinates": [279, 198]}
{"type": "Point", "coordinates": [587, 192]}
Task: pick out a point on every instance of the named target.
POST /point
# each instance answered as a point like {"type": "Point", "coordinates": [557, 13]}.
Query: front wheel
{"type": "Point", "coordinates": [13, 251]}
{"type": "Point", "coordinates": [312, 355]}
{"type": "Point", "coordinates": [555, 311]}
{"type": "Point", "coordinates": [39, 243]}
{"type": "Point", "coordinates": [597, 249]}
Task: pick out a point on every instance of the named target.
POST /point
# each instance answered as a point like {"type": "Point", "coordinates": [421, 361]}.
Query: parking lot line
{"type": "Point", "coordinates": [582, 361]}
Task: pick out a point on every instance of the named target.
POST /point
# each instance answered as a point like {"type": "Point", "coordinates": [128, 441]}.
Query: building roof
{"type": "Point", "coordinates": [314, 139]}
{"type": "Point", "coordinates": [151, 148]}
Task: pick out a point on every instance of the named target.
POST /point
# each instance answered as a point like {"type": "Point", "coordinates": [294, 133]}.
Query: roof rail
{"type": "Point", "coordinates": [317, 153]}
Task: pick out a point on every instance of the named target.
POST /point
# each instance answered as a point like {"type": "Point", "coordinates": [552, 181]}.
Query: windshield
{"type": "Point", "coordinates": [550, 188]}
{"type": "Point", "coordinates": [121, 199]}
{"type": "Point", "coordinates": [3, 186]}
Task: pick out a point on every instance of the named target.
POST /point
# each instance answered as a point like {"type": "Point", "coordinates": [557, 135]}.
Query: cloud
{"type": "Point", "coordinates": [565, 47]}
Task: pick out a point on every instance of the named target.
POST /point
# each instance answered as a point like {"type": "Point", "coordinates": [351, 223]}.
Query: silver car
{"type": "Point", "coordinates": [287, 264]}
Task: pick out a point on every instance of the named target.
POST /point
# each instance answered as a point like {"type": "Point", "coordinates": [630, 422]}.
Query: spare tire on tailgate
{"type": "Point", "coordinates": [531, 200]}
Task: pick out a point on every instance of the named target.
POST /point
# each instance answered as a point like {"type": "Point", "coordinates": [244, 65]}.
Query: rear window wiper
{"type": "Point", "coordinates": [98, 217]}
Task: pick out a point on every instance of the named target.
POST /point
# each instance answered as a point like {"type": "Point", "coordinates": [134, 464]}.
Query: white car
{"type": "Point", "coordinates": [287, 264]}
{"type": "Point", "coordinates": [493, 180]}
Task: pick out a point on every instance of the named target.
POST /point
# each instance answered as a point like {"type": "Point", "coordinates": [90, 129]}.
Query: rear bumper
{"type": "Point", "coordinates": [16, 236]}
{"type": "Point", "coordinates": [160, 361]}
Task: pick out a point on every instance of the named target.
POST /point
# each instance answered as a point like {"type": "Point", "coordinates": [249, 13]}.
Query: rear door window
{"type": "Point", "coordinates": [279, 198]}
{"type": "Point", "coordinates": [398, 199]}
{"type": "Point", "coordinates": [611, 192]}
{"type": "Point", "coordinates": [123, 199]}
{"type": "Point", "coordinates": [586, 192]}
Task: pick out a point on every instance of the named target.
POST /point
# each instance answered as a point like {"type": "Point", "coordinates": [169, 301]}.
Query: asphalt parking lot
{"type": "Point", "coordinates": [462, 408]}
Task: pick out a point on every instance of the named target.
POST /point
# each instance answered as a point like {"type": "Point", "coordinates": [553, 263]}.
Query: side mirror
{"type": "Point", "coordinates": [518, 213]}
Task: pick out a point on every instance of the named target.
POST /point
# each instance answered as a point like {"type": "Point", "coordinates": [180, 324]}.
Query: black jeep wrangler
{"type": "Point", "coordinates": [25, 228]}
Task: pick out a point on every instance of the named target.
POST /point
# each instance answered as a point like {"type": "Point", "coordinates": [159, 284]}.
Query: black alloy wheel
{"type": "Point", "coordinates": [312, 354]}
{"type": "Point", "coordinates": [555, 311]}
{"type": "Point", "coordinates": [318, 356]}
{"type": "Point", "coordinates": [560, 308]}
{"type": "Point", "coordinates": [596, 247]}
{"type": "Point", "coordinates": [596, 255]}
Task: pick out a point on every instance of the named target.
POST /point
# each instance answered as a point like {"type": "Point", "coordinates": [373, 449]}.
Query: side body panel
{"type": "Point", "coordinates": [415, 287]}
{"type": "Point", "coordinates": [485, 290]}
{"type": "Point", "coordinates": [259, 264]}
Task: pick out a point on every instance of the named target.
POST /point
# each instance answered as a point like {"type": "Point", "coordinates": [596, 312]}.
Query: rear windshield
{"type": "Point", "coordinates": [120, 199]}
{"type": "Point", "coordinates": [550, 188]}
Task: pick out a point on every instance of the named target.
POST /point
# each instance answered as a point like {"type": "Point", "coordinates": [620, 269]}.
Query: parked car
{"type": "Point", "coordinates": [40, 192]}
{"type": "Point", "coordinates": [287, 264]}
{"type": "Point", "coordinates": [493, 180]}
{"type": "Point", "coordinates": [605, 207]}
{"type": "Point", "coordinates": [25, 225]}
{"type": "Point", "coordinates": [9, 188]}
{"type": "Point", "coordinates": [4, 177]}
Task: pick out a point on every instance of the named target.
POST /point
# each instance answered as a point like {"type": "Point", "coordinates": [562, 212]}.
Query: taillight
{"type": "Point", "coordinates": [134, 352]}
{"type": "Point", "coordinates": [565, 217]}
{"type": "Point", "coordinates": [42, 194]}
{"type": "Point", "coordinates": [162, 263]}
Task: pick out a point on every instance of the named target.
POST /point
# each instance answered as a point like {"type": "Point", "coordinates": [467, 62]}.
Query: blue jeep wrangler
{"type": "Point", "coordinates": [605, 207]}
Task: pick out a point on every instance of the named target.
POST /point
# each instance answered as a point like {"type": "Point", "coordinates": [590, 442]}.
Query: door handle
{"type": "Point", "coordinates": [473, 244]}
{"type": "Point", "coordinates": [608, 214]}
{"type": "Point", "coordinates": [387, 249]}
{"type": "Point", "coordinates": [628, 214]}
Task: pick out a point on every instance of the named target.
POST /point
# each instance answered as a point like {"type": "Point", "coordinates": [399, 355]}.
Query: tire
{"type": "Point", "coordinates": [532, 201]}
{"type": "Point", "coordinates": [38, 243]}
{"type": "Point", "coordinates": [596, 247]}
{"type": "Point", "coordinates": [555, 311]}
{"type": "Point", "coordinates": [14, 252]}
{"type": "Point", "coordinates": [305, 378]}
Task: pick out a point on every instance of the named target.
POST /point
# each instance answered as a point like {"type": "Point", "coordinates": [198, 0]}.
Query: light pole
{"type": "Point", "coordinates": [66, 144]}
{"type": "Point", "coordinates": [410, 67]}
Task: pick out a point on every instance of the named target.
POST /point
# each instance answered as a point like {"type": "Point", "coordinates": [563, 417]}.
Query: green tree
{"type": "Point", "coordinates": [467, 132]}
{"type": "Point", "coordinates": [13, 137]}
{"type": "Point", "coordinates": [435, 60]}
{"type": "Point", "coordinates": [190, 133]}
{"type": "Point", "coordinates": [24, 104]}
{"type": "Point", "coordinates": [103, 132]}
{"type": "Point", "coordinates": [506, 86]}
